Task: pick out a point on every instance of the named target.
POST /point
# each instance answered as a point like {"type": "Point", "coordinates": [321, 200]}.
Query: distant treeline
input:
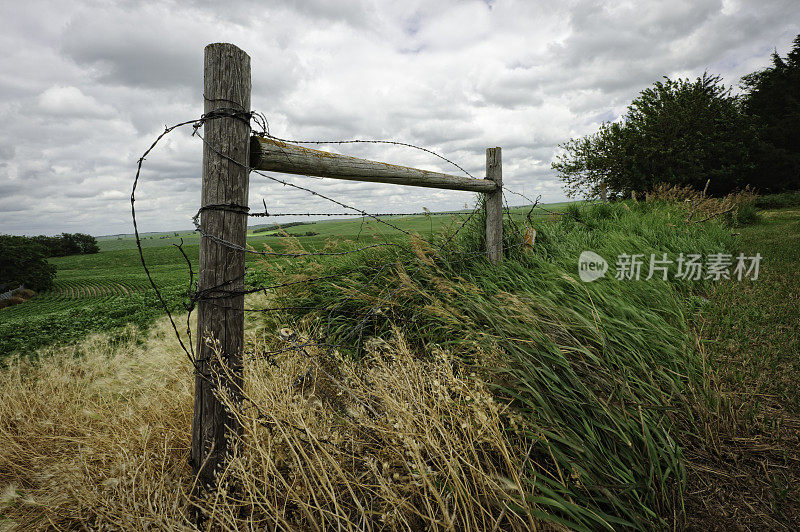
{"type": "Point", "coordinates": [278, 226]}
{"type": "Point", "coordinates": [66, 244]}
{"type": "Point", "coordinates": [23, 259]}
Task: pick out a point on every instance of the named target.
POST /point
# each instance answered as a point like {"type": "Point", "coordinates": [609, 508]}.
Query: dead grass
{"type": "Point", "coordinates": [18, 296]}
{"type": "Point", "coordinates": [698, 206]}
{"type": "Point", "coordinates": [96, 436]}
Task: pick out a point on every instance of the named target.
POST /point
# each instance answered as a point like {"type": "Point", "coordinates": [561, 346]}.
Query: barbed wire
{"type": "Point", "coordinates": [353, 215]}
{"type": "Point", "coordinates": [404, 254]}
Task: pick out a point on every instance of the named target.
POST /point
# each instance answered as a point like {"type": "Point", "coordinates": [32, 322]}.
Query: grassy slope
{"type": "Point", "coordinates": [601, 371]}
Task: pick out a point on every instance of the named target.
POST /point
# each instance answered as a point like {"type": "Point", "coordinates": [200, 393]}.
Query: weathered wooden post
{"type": "Point", "coordinates": [224, 217]}
{"type": "Point", "coordinates": [603, 192]}
{"type": "Point", "coordinates": [494, 206]}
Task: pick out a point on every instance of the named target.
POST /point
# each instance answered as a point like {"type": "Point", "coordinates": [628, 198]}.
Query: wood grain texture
{"type": "Point", "coordinates": [273, 155]}
{"type": "Point", "coordinates": [226, 85]}
{"type": "Point", "coordinates": [494, 206]}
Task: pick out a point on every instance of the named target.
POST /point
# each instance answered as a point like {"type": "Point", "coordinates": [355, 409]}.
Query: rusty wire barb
{"type": "Point", "coordinates": [404, 257]}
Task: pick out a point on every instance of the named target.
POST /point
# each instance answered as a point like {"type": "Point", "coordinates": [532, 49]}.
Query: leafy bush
{"type": "Point", "coordinates": [745, 215]}
{"type": "Point", "coordinates": [23, 262]}
{"type": "Point", "coordinates": [680, 132]}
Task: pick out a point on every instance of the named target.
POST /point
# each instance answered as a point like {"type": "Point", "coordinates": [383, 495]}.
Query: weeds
{"type": "Point", "coordinates": [735, 209]}
{"type": "Point", "coordinates": [598, 372]}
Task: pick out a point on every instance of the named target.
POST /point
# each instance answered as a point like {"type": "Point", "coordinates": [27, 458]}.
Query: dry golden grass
{"type": "Point", "coordinates": [96, 436]}
{"type": "Point", "coordinates": [18, 296]}
{"type": "Point", "coordinates": [699, 207]}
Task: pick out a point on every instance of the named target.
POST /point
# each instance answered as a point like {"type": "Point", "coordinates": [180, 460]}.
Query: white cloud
{"type": "Point", "coordinates": [84, 91]}
{"type": "Point", "coordinates": [70, 101]}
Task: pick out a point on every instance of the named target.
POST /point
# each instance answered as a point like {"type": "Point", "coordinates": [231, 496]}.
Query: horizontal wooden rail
{"type": "Point", "coordinates": [273, 155]}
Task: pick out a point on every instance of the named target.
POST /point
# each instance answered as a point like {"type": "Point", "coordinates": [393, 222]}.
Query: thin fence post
{"type": "Point", "coordinates": [603, 192]}
{"type": "Point", "coordinates": [494, 206]}
{"type": "Point", "coordinates": [220, 315]}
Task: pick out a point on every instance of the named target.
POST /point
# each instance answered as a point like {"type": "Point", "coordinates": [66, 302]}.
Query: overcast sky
{"type": "Point", "coordinates": [86, 86]}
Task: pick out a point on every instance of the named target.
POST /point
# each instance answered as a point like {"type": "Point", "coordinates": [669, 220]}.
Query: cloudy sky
{"type": "Point", "coordinates": [86, 86]}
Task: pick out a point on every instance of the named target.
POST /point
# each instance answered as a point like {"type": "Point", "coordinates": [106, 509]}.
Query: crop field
{"type": "Point", "coordinates": [74, 290]}
{"type": "Point", "coordinates": [109, 289]}
{"type": "Point", "coordinates": [335, 227]}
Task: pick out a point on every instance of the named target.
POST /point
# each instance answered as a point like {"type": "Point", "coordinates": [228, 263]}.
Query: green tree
{"type": "Point", "coordinates": [24, 261]}
{"type": "Point", "coordinates": [772, 99]}
{"type": "Point", "coordinates": [677, 131]}
{"type": "Point", "coordinates": [600, 157]}
{"type": "Point", "coordinates": [86, 243]}
{"type": "Point", "coordinates": [67, 244]}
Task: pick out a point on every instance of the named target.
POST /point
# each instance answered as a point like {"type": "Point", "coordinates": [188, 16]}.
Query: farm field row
{"type": "Point", "coordinates": [74, 290]}
{"type": "Point", "coordinates": [110, 289]}
{"type": "Point", "coordinates": [326, 228]}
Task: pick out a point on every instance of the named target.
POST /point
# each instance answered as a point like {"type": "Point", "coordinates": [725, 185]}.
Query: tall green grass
{"type": "Point", "coordinates": [778, 201]}
{"type": "Point", "coordinates": [602, 372]}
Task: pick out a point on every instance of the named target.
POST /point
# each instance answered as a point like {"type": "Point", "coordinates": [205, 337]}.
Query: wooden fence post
{"type": "Point", "coordinates": [603, 192]}
{"type": "Point", "coordinates": [225, 191]}
{"type": "Point", "coordinates": [494, 206]}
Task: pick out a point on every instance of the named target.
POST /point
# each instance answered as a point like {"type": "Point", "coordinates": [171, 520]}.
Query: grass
{"type": "Point", "coordinates": [755, 325]}
{"type": "Point", "coordinates": [95, 436]}
{"type": "Point", "coordinates": [478, 397]}
{"type": "Point", "coordinates": [745, 463]}
{"type": "Point", "coordinates": [601, 372]}
{"type": "Point", "coordinates": [778, 201]}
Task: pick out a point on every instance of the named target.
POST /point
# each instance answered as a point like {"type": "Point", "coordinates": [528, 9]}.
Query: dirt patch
{"type": "Point", "coordinates": [17, 297]}
{"type": "Point", "coordinates": [749, 479]}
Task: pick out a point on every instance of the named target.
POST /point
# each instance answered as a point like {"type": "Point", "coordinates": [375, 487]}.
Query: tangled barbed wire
{"type": "Point", "coordinates": [404, 252]}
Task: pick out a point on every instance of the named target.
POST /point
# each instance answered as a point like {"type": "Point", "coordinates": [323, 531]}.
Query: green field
{"type": "Point", "coordinates": [338, 227]}
{"type": "Point", "coordinates": [109, 289]}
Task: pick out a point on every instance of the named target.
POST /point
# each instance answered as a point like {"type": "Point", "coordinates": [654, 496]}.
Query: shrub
{"type": "Point", "coordinates": [25, 293]}
{"type": "Point", "coordinates": [745, 215]}
{"type": "Point", "coordinates": [23, 262]}
{"type": "Point", "coordinates": [676, 131]}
